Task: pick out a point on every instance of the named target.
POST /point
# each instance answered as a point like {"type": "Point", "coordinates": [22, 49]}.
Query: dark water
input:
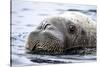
{"type": "Point", "coordinates": [26, 15]}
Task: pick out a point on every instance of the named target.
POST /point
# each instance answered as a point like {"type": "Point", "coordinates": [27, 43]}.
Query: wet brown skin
{"type": "Point", "coordinates": [57, 34]}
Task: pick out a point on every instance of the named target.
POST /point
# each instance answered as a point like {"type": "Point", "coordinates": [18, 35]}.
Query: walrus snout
{"type": "Point", "coordinates": [44, 42]}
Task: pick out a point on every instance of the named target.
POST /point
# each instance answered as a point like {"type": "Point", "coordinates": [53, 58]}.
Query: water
{"type": "Point", "coordinates": [26, 15]}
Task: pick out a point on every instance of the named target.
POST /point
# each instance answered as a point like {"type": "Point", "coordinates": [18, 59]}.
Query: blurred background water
{"type": "Point", "coordinates": [26, 15]}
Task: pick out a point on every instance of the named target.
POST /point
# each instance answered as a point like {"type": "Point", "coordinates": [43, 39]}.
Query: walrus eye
{"type": "Point", "coordinates": [72, 29]}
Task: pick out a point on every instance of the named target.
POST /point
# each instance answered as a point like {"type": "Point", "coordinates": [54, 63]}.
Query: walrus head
{"type": "Point", "coordinates": [55, 35]}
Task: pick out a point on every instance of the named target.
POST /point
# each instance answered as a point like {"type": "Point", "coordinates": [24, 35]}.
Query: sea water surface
{"type": "Point", "coordinates": [26, 15]}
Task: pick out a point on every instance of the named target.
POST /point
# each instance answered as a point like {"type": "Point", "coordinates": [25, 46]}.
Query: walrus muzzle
{"type": "Point", "coordinates": [45, 42]}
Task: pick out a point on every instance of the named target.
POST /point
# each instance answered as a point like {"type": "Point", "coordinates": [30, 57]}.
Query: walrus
{"type": "Point", "coordinates": [58, 33]}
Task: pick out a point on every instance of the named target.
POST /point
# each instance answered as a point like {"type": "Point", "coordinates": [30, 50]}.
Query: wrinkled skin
{"type": "Point", "coordinates": [57, 34]}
